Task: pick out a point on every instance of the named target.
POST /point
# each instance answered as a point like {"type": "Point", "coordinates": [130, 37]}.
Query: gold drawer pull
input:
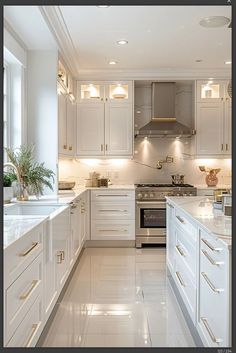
{"type": "Point", "coordinates": [32, 332]}
{"type": "Point", "coordinates": [180, 251]}
{"type": "Point", "coordinates": [211, 285]}
{"type": "Point", "coordinates": [210, 246]}
{"type": "Point", "coordinates": [226, 146]}
{"type": "Point", "coordinates": [211, 334]}
{"type": "Point", "coordinates": [222, 147]}
{"type": "Point", "coordinates": [32, 286]}
{"type": "Point", "coordinates": [113, 211]}
{"type": "Point", "coordinates": [29, 250]}
{"type": "Point", "coordinates": [180, 279]}
{"type": "Point", "coordinates": [59, 257]}
{"type": "Point", "coordinates": [70, 148]}
{"type": "Point", "coordinates": [64, 147]}
{"type": "Point", "coordinates": [101, 147]}
{"type": "Point", "coordinates": [106, 146]}
{"type": "Point", "coordinates": [180, 219]}
{"type": "Point", "coordinates": [209, 258]}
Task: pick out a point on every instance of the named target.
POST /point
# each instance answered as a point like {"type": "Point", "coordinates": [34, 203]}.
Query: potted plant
{"type": "Point", "coordinates": [8, 178]}
{"type": "Point", "coordinates": [32, 176]}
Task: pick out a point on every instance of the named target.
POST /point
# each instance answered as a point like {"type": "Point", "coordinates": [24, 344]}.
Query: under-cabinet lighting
{"type": "Point", "coordinates": [112, 62]}
{"type": "Point", "coordinates": [122, 42]}
{"type": "Point", "coordinates": [228, 62]}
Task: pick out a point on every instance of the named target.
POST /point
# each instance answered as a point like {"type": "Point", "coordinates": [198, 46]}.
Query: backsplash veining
{"type": "Point", "coordinates": [148, 152]}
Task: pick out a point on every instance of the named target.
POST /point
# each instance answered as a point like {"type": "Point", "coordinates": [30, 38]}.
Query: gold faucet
{"type": "Point", "coordinates": [167, 160]}
{"type": "Point", "coordinates": [9, 164]}
{"type": "Point", "coordinates": [22, 194]}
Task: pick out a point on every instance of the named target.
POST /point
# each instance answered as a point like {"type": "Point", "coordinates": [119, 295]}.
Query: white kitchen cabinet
{"type": "Point", "coordinates": [213, 120]}
{"type": "Point", "coordinates": [105, 119]}
{"type": "Point", "coordinates": [170, 236]}
{"type": "Point", "coordinates": [112, 215]}
{"type": "Point", "coordinates": [66, 124]}
{"type": "Point", "coordinates": [118, 129]}
{"type": "Point", "coordinates": [214, 292]}
{"type": "Point", "coordinates": [90, 130]}
{"type": "Point", "coordinates": [75, 246]}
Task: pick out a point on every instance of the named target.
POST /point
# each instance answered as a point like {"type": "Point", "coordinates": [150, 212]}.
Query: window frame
{"type": "Point", "coordinates": [7, 107]}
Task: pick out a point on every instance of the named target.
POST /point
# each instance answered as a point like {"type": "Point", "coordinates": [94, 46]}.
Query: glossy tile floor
{"type": "Point", "coordinates": [119, 297]}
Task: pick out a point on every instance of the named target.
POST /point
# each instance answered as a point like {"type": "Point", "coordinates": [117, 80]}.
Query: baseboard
{"type": "Point", "coordinates": [192, 328]}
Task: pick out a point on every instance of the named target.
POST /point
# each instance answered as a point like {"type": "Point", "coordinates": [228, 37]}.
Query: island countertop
{"type": "Point", "coordinates": [200, 208]}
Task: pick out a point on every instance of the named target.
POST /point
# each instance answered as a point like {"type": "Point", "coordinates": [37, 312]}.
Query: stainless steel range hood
{"type": "Point", "coordinates": [164, 121]}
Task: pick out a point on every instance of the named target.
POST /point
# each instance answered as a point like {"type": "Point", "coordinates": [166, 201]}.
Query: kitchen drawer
{"type": "Point", "coordinates": [212, 245]}
{"type": "Point", "coordinates": [186, 286]}
{"type": "Point", "coordinates": [21, 253]}
{"type": "Point", "coordinates": [29, 330]}
{"type": "Point", "coordinates": [22, 293]}
{"type": "Point", "coordinates": [186, 225]}
{"type": "Point", "coordinates": [213, 321]}
{"type": "Point", "coordinates": [186, 249]}
{"type": "Point", "coordinates": [113, 230]}
{"type": "Point", "coordinates": [113, 210]}
{"type": "Point", "coordinates": [112, 195]}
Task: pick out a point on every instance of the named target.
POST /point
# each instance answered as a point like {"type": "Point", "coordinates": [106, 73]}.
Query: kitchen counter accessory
{"type": "Point", "coordinates": [66, 185]}
{"type": "Point", "coordinates": [177, 179]}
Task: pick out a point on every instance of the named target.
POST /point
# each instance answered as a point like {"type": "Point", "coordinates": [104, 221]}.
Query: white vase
{"type": "Point", "coordinates": [7, 194]}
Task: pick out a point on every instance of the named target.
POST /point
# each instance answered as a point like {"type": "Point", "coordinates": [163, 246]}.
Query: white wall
{"type": "Point", "coordinates": [42, 107]}
{"type": "Point", "coordinates": [147, 152]}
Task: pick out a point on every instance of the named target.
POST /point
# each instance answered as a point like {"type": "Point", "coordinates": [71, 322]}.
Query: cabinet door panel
{"type": "Point", "coordinates": [62, 128]}
{"type": "Point", "coordinates": [210, 91]}
{"type": "Point", "coordinates": [90, 130]}
{"type": "Point", "coordinates": [71, 127]}
{"type": "Point", "coordinates": [228, 127]}
{"type": "Point", "coordinates": [209, 129]}
{"type": "Point", "coordinates": [119, 126]}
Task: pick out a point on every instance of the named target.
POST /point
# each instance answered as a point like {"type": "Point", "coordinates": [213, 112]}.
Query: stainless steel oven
{"type": "Point", "coordinates": [150, 211]}
{"type": "Point", "coordinates": [150, 222]}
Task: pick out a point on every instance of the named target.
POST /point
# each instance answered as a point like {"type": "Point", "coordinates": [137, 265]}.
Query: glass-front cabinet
{"type": "Point", "coordinates": [113, 92]}
{"type": "Point", "coordinates": [210, 91]}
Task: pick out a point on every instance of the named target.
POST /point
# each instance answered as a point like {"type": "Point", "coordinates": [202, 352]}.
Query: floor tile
{"type": "Point", "coordinates": [170, 340]}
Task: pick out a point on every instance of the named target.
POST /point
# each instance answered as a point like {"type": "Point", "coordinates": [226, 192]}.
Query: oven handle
{"type": "Point", "coordinates": [151, 203]}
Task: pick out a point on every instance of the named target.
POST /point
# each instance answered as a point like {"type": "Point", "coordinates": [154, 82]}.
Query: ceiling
{"type": "Point", "coordinates": [159, 37]}
{"type": "Point", "coordinates": [30, 26]}
{"type": "Point", "coordinates": [168, 37]}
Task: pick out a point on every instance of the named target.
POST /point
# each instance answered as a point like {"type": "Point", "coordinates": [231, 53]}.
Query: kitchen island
{"type": "Point", "coordinates": [199, 266]}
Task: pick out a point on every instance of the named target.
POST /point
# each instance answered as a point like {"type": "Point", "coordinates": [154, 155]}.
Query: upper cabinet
{"type": "Point", "coordinates": [66, 89]}
{"type": "Point", "coordinates": [105, 119]}
{"type": "Point", "coordinates": [213, 119]}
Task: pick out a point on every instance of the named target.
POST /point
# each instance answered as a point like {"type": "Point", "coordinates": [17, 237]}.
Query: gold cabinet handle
{"type": "Point", "coordinates": [29, 250]}
{"type": "Point", "coordinates": [209, 258]}
{"type": "Point", "coordinates": [226, 146]}
{"type": "Point", "coordinates": [210, 284]}
{"type": "Point", "coordinates": [63, 255]}
{"type": "Point", "coordinates": [59, 257]}
{"type": "Point", "coordinates": [106, 99]}
{"type": "Point", "coordinates": [222, 147]}
{"type": "Point", "coordinates": [101, 99]}
{"type": "Point", "coordinates": [106, 147]}
{"type": "Point", "coordinates": [211, 334]}
{"type": "Point", "coordinates": [65, 147]}
{"type": "Point", "coordinates": [180, 219]}
{"type": "Point", "coordinates": [210, 246]}
{"type": "Point", "coordinates": [70, 148]}
{"type": "Point", "coordinates": [101, 147]}
{"type": "Point", "coordinates": [180, 279]}
{"type": "Point", "coordinates": [32, 286]}
{"type": "Point", "coordinates": [180, 251]}
{"type": "Point", "coordinates": [32, 332]}
{"type": "Point", "coordinates": [222, 98]}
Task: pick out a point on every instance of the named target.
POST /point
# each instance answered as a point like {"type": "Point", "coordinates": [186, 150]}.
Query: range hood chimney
{"type": "Point", "coordinates": [163, 122]}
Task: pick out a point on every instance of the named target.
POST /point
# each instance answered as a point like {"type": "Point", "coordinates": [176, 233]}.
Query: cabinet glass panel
{"type": "Point", "coordinates": [209, 91]}
{"type": "Point", "coordinates": [90, 91]}
{"type": "Point", "coordinates": [119, 91]}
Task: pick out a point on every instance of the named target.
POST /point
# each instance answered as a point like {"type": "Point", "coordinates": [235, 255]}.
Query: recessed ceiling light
{"type": "Point", "coordinates": [112, 62]}
{"type": "Point", "coordinates": [103, 6]}
{"type": "Point", "coordinates": [198, 60]}
{"type": "Point", "coordinates": [122, 42]}
{"type": "Point", "coordinates": [228, 62]}
{"type": "Point", "coordinates": [214, 21]}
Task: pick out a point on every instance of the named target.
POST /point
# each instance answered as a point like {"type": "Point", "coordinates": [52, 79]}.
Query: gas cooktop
{"type": "Point", "coordinates": [163, 185]}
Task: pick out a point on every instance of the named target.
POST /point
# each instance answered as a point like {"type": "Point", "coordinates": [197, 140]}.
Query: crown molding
{"type": "Point", "coordinates": [175, 74]}
{"type": "Point", "coordinates": [9, 28]}
{"type": "Point", "coordinates": [55, 21]}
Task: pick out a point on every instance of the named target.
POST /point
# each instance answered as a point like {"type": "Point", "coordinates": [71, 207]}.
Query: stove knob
{"type": "Point", "coordinates": [139, 195]}
{"type": "Point", "coordinates": [145, 195]}
{"type": "Point", "coordinates": [177, 194]}
{"type": "Point", "coordinates": [151, 194]}
{"type": "Point", "coordinates": [185, 194]}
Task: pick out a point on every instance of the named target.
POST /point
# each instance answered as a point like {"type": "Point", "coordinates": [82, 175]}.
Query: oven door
{"type": "Point", "coordinates": [150, 218]}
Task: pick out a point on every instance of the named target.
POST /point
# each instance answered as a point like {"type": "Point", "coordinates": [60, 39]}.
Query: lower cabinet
{"type": "Point", "coordinates": [214, 292]}
{"type": "Point", "coordinates": [200, 265]}
{"type": "Point", "coordinates": [112, 215]}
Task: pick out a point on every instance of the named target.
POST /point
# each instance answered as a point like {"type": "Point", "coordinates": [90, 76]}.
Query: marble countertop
{"type": "Point", "coordinates": [17, 226]}
{"type": "Point", "coordinates": [219, 186]}
{"type": "Point", "coordinates": [67, 196]}
{"type": "Point", "coordinates": [200, 208]}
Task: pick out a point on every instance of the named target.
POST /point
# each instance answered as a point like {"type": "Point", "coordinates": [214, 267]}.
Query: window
{"type": "Point", "coordinates": [6, 109]}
